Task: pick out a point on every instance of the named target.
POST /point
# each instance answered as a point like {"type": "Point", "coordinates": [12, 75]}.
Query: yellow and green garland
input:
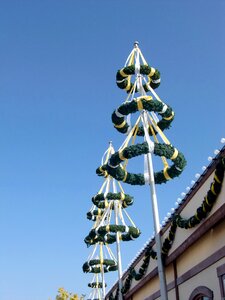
{"type": "Point", "coordinates": [107, 234]}
{"type": "Point", "coordinates": [123, 77]}
{"type": "Point", "coordinates": [140, 103]}
{"type": "Point", "coordinates": [119, 173]}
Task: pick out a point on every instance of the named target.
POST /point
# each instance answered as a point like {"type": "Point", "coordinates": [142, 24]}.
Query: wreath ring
{"type": "Point", "coordinates": [140, 103]}
{"type": "Point", "coordinates": [123, 77]}
{"type": "Point", "coordinates": [95, 284]}
{"type": "Point", "coordinates": [101, 200]}
{"type": "Point", "coordinates": [114, 168]}
{"type": "Point", "coordinates": [91, 266]}
{"type": "Point", "coordinates": [107, 234]}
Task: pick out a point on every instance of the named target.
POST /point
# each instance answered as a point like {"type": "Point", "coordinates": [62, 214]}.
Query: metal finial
{"type": "Point", "coordinates": [136, 43]}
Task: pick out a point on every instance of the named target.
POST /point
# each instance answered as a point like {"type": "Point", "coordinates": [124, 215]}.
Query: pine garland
{"type": "Point", "coordinates": [116, 170]}
{"type": "Point", "coordinates": [209, 200]}
{"type": "Point", "coordinates": [123, 77]}
{"type": "Point", "coordinates": [101, 201]}
{"type": "Point", "coordinates": [147, 103]}
{"type": "Point", "coordinates": [94, 266]}
{"type": "Point", "coordinates": [96, 285]}
{"type": "Point", "coordinates": [107, 234]}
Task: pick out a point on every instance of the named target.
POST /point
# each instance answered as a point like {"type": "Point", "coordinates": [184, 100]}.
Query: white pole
{"type": "Point", "coordinates": [162, 278]}
{"type": "Point", "coordinates": [102, 271]}
{"type": "Point", "coordinates": [119, 261]}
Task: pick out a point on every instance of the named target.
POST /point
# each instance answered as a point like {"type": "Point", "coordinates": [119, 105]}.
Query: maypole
{"type": "Point", "coordinates": [150, 168]}
{"type": "Point", "coordinates": [119, 259]}
{"type": "Point", "coordinates": [151, 129]}
{"type": "Point", "coordinates": [110, 199]}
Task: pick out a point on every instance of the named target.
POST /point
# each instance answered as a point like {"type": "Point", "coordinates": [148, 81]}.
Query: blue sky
{"type": "Point", "coordinates": [58, 61]}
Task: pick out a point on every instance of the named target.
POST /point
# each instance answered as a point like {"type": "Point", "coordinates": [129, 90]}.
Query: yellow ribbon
{"type": "Point", "coordinates": [152, 72]}
{"type": "Point", "coordinates": [189, 224]}
{"type": "Point", "coordinates": [121, 125]}
{"type": "Point", "coordinates": [216, 178]}
{"type": "Point", "coordinates": [203, 207]}
{"type": "Point", "coordinates": [139, 104]}
{"type": "Point", "coordinates": [125, 176]}
{"type": "Point", "coordinates": [212, 190]}
{"type": "Point", "coordinates": [207, 201]}
{"type": "Point", "coordinates": [122, 73]}
{"type": "Point", "coordinates": [122, 196]}
{"type": "Point", "coordinates": [166, 175]}
{"type": "Point", "coordinates": [128, 84]}
{"type": "Point", "coordinates": [170, 117]}
{"type": "Point", "coordinates": [196, 216]}
{"type": "Point", "coordinates": [121, 155]}
{"type": "Point", "coordinates": [101, 256]}
{"type": "Point", "coordinates": [175, 153]}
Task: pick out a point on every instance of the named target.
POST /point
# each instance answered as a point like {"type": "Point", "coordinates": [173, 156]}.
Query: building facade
{"type": "Point", "coordinates": [193, 246]}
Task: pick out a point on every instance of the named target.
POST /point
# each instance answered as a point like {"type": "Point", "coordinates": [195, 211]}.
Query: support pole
{"type": "Point", "coordinates": [162, 278]}
{"type": "Point", "coordinates": [161, 273]}
{"type": "Point", "coordinates": [119, 262]}
{"type": "Point", "coordinates": [102, 271]}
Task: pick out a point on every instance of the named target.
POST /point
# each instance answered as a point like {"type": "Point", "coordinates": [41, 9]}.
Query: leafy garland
{"type": "Point", "coordinates": [209, 200]}
{"type": "Point", "coordinates": [96, 285]}
{"type": "Point", "coordinates": [149, 253]}
{"type": "Point", "coordinates": [92, 215]}
{"type": "Point", "coordinates": [107, 234]}
{"type": "Point", "coordinates": [123, 77]}
{"type": "Point", "coordinates": [178, 221]}
{"type": "Point", "coordinates": [93, 266]}
{"type": "Point", "coordinates": [147, 103]}
{"type": "Point", "coordinates": [168, 151]}
{"type": "Point", "coordinates": [101, 201]}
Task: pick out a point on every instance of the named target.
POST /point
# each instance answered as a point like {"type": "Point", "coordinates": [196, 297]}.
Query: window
{"type": "Point", "coordinates": [201, 293]}
{"type": "Point", "coordinates": [221, 276]}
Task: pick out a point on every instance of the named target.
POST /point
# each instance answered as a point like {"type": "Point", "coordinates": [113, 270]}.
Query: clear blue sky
{"type": "Point", "coordinates": [58, 61]}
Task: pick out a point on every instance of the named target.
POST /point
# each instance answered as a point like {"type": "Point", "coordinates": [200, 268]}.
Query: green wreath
{"type": "Point", "coordinates": [123, 80]}
{"type": "Point", "coordinates": [149, 253]}
{"type": "Point", "coordinates": [168, 151]}
{"type": "Point", "coordinates": [100, 200]}
{"type": "Point", "coordinates": [92, 215]}
{"type": "Point", "coordinates": [96, 285]}
{"type": "Point", "coordinates": [107, 234]}
{"type": "Point", "coordinates": [93, 266]}
{"type": "Point", "coordinates": [140, 103]}
{"type": "Point", "coordinates": [209, 200]}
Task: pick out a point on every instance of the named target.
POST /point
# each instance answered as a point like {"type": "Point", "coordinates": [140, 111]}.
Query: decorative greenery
{"type": "Point", "coordinates": [168, 242]}
{"type": "Point", "coordinates": [101, 201]}
{"type": "Point", "coordinates": [92, 215]}
{"type": "Point", "coordinates": [94, 266]}
{"type": "Point", "coordinates": [201, 213]}
{"type": "Point", "coordinates": [147, 103]}
{"type": "Point", "coordinates": [209, 200]}
{"type": "Point", "coordinates": [123, 77]}
{"type": "Point", "coordinates": [149, 253]}
{"type": "Point", "coordinates": [116, 170]}
{"type": "Point", "coordinates": [107, 234]}
{"type": "Point", "coordinates": [96, 285]}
